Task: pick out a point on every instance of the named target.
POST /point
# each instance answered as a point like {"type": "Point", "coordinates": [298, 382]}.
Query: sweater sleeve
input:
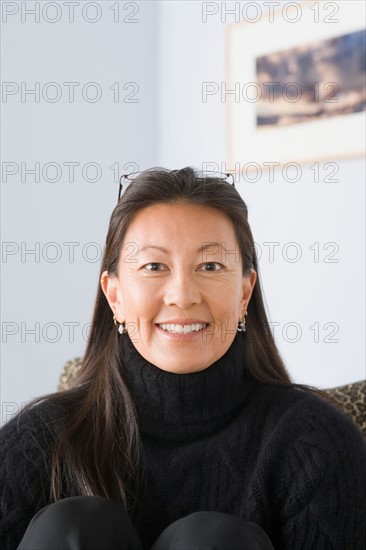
{"type": "Point", "coordinates": [321, 483]}
{"type": "Point", "coordinates": [24, 472]}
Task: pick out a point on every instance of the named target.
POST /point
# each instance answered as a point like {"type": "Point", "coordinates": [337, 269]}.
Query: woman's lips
{"type": "Point", "coordinates": [182, 335]}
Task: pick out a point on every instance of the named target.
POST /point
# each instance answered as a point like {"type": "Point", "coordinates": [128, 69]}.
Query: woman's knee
{"type": "Point", "coordinates": [79, 523]}
{"type": "Point", "coordinates": [206, 530]}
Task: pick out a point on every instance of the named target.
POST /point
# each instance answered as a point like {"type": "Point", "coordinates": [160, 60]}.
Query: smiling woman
{"type": "Point", "coordinates": [183, 429]}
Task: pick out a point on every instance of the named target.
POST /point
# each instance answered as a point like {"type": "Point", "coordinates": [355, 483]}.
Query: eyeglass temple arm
{"type": "Point", "coordinates": [120, 187]}
{"type": "Point", "coordinates": [228, 175]}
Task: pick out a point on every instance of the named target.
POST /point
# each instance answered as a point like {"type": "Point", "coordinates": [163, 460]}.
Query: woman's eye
{"type": "Point", "coordinates": [152, 264]}
{"type": "Point", "coordinates": [213, 264]}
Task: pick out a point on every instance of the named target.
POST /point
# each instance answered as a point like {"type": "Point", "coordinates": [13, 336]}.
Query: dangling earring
{"type": "Point", "coordinates": [121, 326]}
{"type": "Point", "coordinates": [241, 324]}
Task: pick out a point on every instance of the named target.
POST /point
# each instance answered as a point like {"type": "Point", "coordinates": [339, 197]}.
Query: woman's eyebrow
{"type": "Point", "coordinates": [205, 246]}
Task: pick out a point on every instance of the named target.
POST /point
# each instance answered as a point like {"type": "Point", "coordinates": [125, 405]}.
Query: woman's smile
{"type": "Point", "coordinates": [182, 287]}
{"type": "Point", "coordinates": [182, 332]}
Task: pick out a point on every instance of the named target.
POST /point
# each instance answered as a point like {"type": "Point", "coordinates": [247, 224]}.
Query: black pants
{"type": "Point", "coordinates": [96, 523]}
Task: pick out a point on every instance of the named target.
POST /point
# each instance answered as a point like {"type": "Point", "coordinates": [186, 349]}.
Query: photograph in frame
{"type": "Point", "coordinates": [302, 100]}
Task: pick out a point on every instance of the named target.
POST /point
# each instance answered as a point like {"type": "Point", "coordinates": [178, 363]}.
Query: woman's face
{"type": "Point", "coordinates": [191, 281]}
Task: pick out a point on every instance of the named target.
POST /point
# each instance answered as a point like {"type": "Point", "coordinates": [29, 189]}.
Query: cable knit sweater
{"type": "Point", "coordinates": [214, 440]}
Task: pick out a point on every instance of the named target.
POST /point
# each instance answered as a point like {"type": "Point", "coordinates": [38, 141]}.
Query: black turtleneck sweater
{"type": "Point", "coordinates": [215, 440]}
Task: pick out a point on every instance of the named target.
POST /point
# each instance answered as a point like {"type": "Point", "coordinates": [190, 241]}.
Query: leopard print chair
{"type": "Point", "coordinates": [351, 397]}
{"type": "Point", "coordinates": [69, 374]}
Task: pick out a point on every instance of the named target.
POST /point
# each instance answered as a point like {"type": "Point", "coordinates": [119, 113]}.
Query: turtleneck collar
{"type": "Point", "coordinates": [176, 407]}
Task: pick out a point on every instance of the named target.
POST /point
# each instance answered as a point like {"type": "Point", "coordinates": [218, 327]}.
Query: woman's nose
{"type": "Point", "coordinates": [181, 290]}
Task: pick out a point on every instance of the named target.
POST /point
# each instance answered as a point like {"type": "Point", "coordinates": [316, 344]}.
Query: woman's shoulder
{"type": "Point", "coordinates": [301, 414]}
{"type": "Point", "coordinates": [30, 430]}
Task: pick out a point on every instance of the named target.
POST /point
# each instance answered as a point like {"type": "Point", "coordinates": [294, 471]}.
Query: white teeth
{"type": "Point", "coordinates": [183, 328]}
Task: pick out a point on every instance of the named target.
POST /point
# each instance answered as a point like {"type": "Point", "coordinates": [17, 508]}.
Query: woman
{"type": "Point", "coordinates": [184, 430]}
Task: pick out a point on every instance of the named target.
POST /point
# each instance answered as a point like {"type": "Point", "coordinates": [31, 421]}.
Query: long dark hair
{"type": "Point", "coordinates": [98, 450]}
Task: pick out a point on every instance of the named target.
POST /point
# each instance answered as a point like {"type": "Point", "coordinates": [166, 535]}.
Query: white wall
{"type": "Point", "coordinates": [169, 52]}
{"type": "Point", "coordinates": [306, 292]}
{"type": "Point", "coordinates": [34, 288]}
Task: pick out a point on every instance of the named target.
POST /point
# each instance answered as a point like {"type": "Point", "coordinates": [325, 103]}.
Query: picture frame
{"type": "Point", "coordinates": [316, 139]}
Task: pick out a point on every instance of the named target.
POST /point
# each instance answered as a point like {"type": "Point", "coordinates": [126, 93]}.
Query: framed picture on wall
{"type": "Point", "coordinates": [297, 90]}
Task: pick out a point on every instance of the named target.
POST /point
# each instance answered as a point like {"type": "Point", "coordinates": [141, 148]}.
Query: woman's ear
{"type": "Point", "coordinates": [111, 288]}
{"type": "Point", "coordinates": [248, 287]}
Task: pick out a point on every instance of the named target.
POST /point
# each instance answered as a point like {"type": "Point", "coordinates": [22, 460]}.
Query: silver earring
{"type": "Point", "coordinates": [121, 326]}
{"type": "Point", "coordinates": [241, 324]}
